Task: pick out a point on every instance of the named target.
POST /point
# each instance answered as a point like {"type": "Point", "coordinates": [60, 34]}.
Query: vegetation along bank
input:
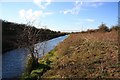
{"type": "Point", "coordinates": [86, 54]}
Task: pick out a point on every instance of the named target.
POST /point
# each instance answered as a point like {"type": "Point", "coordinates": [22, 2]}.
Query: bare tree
{"type": "Point", "coordinates": [27, 39]}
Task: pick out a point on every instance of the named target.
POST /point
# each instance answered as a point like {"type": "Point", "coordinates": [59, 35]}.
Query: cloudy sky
{"type": "Point", "coordinates": [61, 16]}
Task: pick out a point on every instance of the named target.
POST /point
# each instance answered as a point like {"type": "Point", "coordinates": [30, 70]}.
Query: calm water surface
{"type": "Point", "coordinates": [13, 62]}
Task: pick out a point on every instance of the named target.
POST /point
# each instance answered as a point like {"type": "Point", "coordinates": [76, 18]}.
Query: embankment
{"type": "Point", "coordinates": [84, 55]}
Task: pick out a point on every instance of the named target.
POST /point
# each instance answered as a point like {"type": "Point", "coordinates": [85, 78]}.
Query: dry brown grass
{"type": "Point", "coordinates": [86, 55]}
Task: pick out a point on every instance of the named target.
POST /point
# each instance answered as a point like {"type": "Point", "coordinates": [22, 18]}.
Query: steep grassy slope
{"type": "Point", "coordinates": [85, 55]}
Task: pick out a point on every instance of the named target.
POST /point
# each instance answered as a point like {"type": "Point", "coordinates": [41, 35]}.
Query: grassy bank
{"type": "Point", "coordinates": [82, 55]}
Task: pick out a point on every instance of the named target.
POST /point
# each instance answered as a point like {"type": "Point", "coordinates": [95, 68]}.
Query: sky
{"type": "Point", "coordinates": [61, 16]}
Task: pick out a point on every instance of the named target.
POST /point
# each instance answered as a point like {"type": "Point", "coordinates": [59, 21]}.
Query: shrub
{"type": "Point", "coordinates": [103, 28]}
{"type": "Point", "coordinates": [116, 28]}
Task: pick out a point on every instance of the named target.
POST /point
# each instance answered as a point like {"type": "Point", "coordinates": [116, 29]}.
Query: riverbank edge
{"type": "Point", "coordinates": [45, 63]}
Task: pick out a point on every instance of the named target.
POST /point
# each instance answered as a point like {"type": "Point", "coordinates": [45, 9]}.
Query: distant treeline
{"type": "Point", "coordinates": [104, 28]}
{"type": "Point", "coordinates": [101, 28]}
{"type": "Point", "coordinates": [11, 32]}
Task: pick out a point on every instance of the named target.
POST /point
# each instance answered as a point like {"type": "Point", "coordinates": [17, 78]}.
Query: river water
{"type": "Point", "coordinates": [13, 62]}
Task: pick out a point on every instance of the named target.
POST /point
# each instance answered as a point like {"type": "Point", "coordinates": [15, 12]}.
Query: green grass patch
{"type": "Point", "coordinates": [44, 65]}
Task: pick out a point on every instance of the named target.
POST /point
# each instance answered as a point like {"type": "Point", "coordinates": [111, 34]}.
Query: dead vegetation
{"type": "Point", "coordinates": [85, 55]}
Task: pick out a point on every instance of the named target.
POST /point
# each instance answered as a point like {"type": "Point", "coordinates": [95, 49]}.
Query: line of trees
{"type": "Point", "coordinates": [10, 32]}
{"type": "Point", "coordinates": [103, 28]}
